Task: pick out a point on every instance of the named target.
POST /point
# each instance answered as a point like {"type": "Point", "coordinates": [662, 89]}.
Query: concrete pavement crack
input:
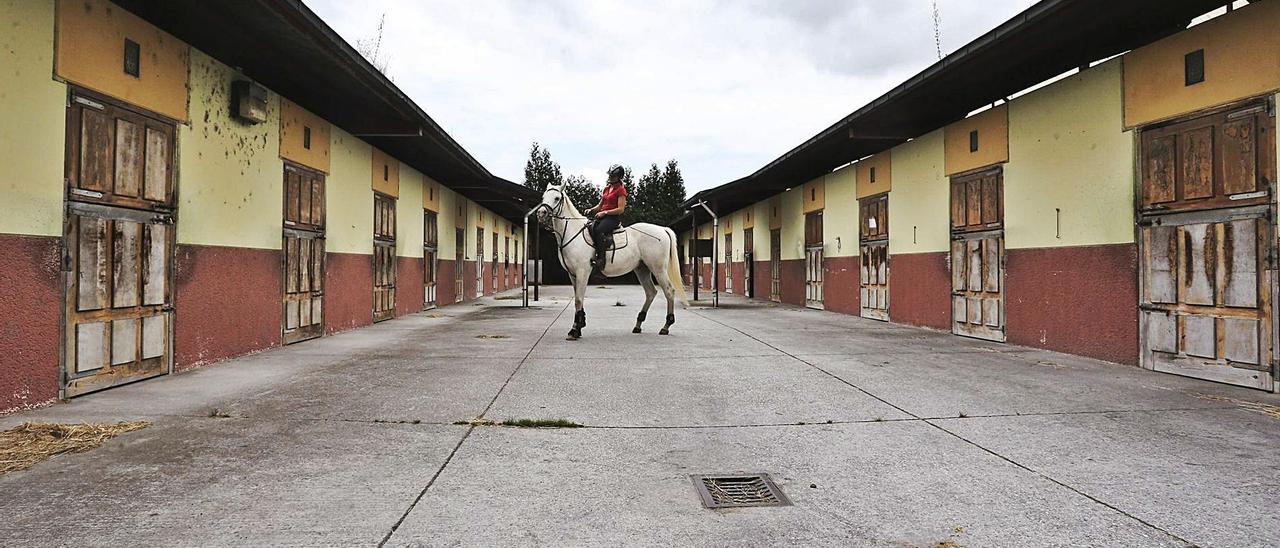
{"type": "Point", "coordinates": [467, 434]}
{"type": "Point", "coordinates": [977, 445]}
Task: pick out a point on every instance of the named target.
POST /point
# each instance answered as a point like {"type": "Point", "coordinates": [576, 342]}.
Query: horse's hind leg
{"type": "Point", "coordinates": [670, 293]}
{"type": "Point", "coordinates": [646, 280]}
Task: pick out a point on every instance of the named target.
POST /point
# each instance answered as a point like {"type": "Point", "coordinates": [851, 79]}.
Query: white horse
{"type": "Point", "coordinates": [649, 251]}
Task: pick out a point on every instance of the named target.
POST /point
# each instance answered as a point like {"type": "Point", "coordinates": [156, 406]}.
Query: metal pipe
{"type": "Point", "coordinates": [524, 272]}
{"type": "Point", "coordinates": [695, 260]}
{"type": "Point", "coordinates": [715, 231]}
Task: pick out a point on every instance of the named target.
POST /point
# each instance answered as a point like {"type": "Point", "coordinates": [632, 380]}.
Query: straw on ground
{"type": "Point", "coordinates": [26, 445]}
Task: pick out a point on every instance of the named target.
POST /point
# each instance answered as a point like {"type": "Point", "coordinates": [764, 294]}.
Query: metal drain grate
{"type": "Point", "coordinates": [739, 490]}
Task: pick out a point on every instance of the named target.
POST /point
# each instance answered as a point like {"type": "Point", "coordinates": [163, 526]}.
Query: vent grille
{"type": "Point", "coordinates": [738, 490]}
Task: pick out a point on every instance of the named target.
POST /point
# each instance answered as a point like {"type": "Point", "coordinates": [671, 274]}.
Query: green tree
{"type": "Point", "coordinates": [663, 201]}
{"type": "Point", "coordinates": [541, 170]}
{"type": "Point", "coordinates": [581, 192]}
{"type": "Point", "coordinates": [646, 191]}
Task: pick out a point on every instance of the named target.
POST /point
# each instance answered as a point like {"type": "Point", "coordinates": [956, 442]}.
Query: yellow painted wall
{"type": "Point", "coordinates": [90, 53]}
{"type": "Point", "coordinates": [814, 195]}
{"type": "Point", "coordinates": [993, 140]}
{"type": "Point", "coordinates": [761, 231]}
{"type": "Point", "coordinates": [1241, 60]}
{"type": "Point", "coordinates": [294, 123]}
{"type": "Point", "coordinates": [447, 223]}
{"type": "Point", "coordinates": [230, 176]}
{"type": "Point", "coordinates": [1068, 151]}
{"type": "Point", "coordinates": [409, 228]}
{"type": "Point", "coordinates": [384, 174]}
{"type": "Point", "coordinates": [791, 209]}
{"type": "Point", "coordinates": [840, 218]}
{"type": "Point", "coordinates": [920, 198]}
{"type": "Point", "coordinates": [883, 164]}
{"type": "Point", "coordinates": [431, 194]}
{"type": "Point", "coordinates": [33, 108]}
{"type": "Point", "coordinates": [773, 211]}
{"type": "Point", "coordinates": [347, 195]}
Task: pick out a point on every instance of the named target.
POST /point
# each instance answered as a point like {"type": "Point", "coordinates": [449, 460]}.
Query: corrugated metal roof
{"type": "Point", "coordinates": [285, 46]}
{"type": "Point", "coordinates": [1048, 39]}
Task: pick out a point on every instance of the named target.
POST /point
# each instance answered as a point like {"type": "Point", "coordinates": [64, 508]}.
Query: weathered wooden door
{"type": "Point", "coordinates": [493, 266]}
{"type": "Point", "coordinates": [459, 262]}
{"type": "Point", "coordinates": [814, 268]}
{"type": "Point", "coordinates": [118, 245]}
{"type": "Point", "coordinates": [728, 263]}
{"type": "Point", "coordinates": [775, 265]}
{"type": "Point", "coordinates": [873, 279]}
{"type": "Point", "coordinates": [303, 254]}
{"type": "Point", "coordinates": [479, 262]}
{"type": "Point", "coordinates": [430, 248]}
{"type": "Point", "coordinates": [384, 257]}
{"type": "Point", "coordinates": [748, 263]}
{"type": "Point", "coordinates": [1207, 247]}
{"type": "Point", "coordinates": [977, 255]}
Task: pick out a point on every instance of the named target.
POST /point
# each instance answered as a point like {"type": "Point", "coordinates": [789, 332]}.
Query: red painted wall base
{"type": "Point", "coordinates": [227, 302]}
{"type": "Point", "coordinates": [409, 285]}
{"type": "Point", "coordinates": [793, 281]}
{"type": "Point", "coordinates": [1079, 300]}
{"type": "Point", "coordinates": [348, 291]}
{"type": "Point", "coordinates": [920, 290]}
{"type": "Point", "coordinates": [30, 306]}
{"type": "Point", "coordinates": [840, 285]}
{"type": "Point", "coordinates": [445, 283]}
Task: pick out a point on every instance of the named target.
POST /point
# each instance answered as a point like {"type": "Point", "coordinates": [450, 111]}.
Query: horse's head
{"type": "Point", "coordinates": [553, 199]}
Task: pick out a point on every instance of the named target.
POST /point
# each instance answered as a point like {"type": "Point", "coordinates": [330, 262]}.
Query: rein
{"type": "Point", "coordinates": [558, 214]}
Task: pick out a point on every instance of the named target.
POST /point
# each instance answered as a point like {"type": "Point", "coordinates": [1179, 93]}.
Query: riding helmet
{"type": "Point", "coordinates": [615, 170]}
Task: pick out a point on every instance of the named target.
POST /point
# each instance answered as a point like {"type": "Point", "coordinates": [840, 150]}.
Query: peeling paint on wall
{"type": "Point", "coordinates": [230, 176]}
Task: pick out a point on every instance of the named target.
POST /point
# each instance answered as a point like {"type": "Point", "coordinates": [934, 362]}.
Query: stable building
{"type": "Point", "coordinates": [182, 182]}
{"type": "Point", "coordinates": [1097, 178]}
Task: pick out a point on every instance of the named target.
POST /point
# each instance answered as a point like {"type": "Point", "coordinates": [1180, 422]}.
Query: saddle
{"type": "Point", "coordinates": [618, 241]}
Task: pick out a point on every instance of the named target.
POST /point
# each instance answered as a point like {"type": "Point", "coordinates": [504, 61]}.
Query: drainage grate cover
{"type": "Point", "coordinates": [739, 490]}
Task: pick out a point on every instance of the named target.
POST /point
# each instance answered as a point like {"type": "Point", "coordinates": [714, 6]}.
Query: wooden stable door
{"type": "Point", "coordinates": [977, 255]}
{"type": "Point", "coordinates": [748, 263]}
{"type": "Point", "coordinates": [775, 265]}
{"type": "Point", "coordinates": [384, 257]}
{"type": "Point", "coordinates": [1207, 247]}
{"type": "Point", "coordinates": [304, 253]}
{"type": "Point", "coordinates": [813, 260]}
{"type": "Point", "coordinates": [430, 257]}
{"type": "Point", "coordinates": [118, 246]}
{"type": "Point", "coordinates": [728, 263]}
{"type": "Point", "coordinates": [459, 260]}
{"type": "Point", "coordinates": [493, 266]}
{"type": "Point", "coordinates": [479, 262]}
{"type": "Point", "coordinates": [873, 279]}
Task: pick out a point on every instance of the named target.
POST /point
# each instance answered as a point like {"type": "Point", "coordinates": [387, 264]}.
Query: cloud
{"type": "Point", "coordinates": [724, 86]}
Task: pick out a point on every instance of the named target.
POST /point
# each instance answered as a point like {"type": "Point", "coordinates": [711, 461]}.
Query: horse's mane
{"type": "Point", "coordinates": [570, 210]}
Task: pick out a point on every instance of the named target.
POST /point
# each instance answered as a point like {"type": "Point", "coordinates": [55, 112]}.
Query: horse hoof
{"type": "Point", "coordinates": [664, 332]}
{"type": "Point", "coordinates": [571, 337]}
{"type": "Point", "coordinates": [635, 330]}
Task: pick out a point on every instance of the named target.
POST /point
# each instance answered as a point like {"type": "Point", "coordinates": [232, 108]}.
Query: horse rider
{"type": "Point", "coordinates": [608, 214]}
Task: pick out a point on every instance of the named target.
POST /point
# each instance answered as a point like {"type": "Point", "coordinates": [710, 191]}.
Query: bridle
{"type": "Point", "coordinates": [557, 213]}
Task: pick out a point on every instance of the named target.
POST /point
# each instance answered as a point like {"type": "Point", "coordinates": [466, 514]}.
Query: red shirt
{"type": "Point", "coordinates": [609, 200]}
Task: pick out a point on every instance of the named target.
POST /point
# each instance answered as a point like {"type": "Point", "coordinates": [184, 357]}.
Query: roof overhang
{"type": "Point", "coordinates": [1046, 40]}
{"type": "Point", "coordinates": [285, 46]}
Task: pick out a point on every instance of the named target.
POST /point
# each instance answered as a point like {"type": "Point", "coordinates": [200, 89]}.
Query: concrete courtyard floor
{"type": "Point", "coordinates": [880, 434]}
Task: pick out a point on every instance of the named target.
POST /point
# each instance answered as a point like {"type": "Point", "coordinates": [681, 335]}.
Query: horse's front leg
{"type": "Point", "coordinates": [580, 315]}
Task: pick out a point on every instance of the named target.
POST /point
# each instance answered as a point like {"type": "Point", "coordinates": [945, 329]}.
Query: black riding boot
{"type": "Point", "coordinates": [597, 262]}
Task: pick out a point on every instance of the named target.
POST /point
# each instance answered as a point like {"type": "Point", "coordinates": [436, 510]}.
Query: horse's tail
{"type": "Point", "coordinates": [673, 271]}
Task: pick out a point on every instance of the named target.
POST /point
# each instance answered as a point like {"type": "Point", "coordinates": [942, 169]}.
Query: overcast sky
{"type": "Point", "coordinates": [722, 86]}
